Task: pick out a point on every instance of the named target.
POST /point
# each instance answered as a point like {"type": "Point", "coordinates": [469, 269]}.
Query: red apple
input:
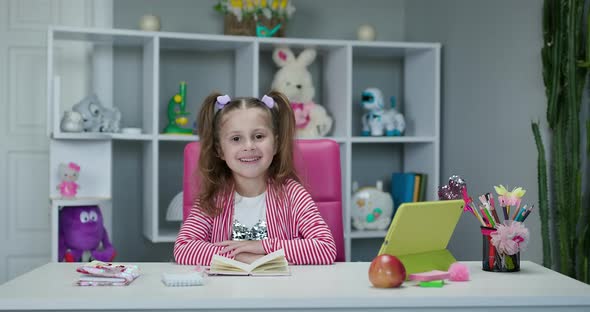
{"type": "Point", "coordinates": [387, 271]}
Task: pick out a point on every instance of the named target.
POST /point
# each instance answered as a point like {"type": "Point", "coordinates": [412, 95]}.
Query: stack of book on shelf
{"type": "Point", "coordinates": [97, 273]}
{"type": "Point", "coordinates": [407, 187]}
{"type": "Point", "coordinates": [273, 264]}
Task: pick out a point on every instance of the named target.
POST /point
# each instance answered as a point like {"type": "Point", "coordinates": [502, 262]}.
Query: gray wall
{"type": "Point", "coordinates": [491, 90]}
{"type": "Point", "coordinates": [331, 19]}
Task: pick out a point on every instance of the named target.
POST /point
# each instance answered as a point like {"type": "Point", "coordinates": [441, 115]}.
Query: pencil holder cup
{"type": "Point", "coordinates": [494, 261]}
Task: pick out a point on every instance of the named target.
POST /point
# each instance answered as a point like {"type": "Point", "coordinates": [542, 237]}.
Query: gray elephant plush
{"type": "Point", "coordinates": [97, 118]}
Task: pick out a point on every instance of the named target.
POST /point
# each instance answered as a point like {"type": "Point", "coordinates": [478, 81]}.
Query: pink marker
{"type": "Point", "coordinates": [429, 276]}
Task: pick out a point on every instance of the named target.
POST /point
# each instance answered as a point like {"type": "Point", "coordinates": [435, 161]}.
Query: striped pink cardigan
{"type": "Point", "coordinates": [294, 224]}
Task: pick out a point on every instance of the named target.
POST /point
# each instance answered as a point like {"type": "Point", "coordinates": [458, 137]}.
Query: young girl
{"type": "Point", "coordinates": [251, 202]}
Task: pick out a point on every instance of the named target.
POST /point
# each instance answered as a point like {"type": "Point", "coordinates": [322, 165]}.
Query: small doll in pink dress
{"type": "Point", "coordinates": [69, 175]}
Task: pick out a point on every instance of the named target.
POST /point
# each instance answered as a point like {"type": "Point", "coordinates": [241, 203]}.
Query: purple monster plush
{"type": "Point", "coordinates": [81, 229]}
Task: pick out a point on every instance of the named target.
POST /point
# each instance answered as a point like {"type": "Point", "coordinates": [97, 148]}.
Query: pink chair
{"type": "Point", "coordinates": [318, 164]}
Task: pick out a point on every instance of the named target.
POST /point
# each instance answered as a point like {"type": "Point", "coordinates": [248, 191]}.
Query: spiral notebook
{"type": "Point", "coordinates": [420, 232]}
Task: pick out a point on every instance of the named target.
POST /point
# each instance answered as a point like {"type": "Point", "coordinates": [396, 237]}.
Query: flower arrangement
{"type": "Point", "coordinates": [255, 17]}
{"type": "Point", "coordinates": [510, 238]}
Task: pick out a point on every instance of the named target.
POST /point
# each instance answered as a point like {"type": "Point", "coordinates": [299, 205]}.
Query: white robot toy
{"type": "Point", "coordinates": [379, 121]}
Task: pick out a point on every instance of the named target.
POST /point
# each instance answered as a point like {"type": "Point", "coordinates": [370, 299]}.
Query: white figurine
{"type": "Point", "coordinates": [149, 22]}
{"type": "Point", "coordinates": [72, 122]}
{"type": "Point", "coordinates": [378, 118]}
{"type": "Point", "coordinates": [96, 117]}
{"type": "Point", "coordinates": [68, 173]}
{"type": "Point", "coordinates": [366, 32]}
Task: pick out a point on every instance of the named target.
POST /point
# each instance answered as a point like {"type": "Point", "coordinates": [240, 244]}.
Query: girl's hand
{"type": "Point", "coordinates": [233, 248]}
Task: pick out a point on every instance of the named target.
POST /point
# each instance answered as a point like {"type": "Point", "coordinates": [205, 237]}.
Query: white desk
{"type": "Point", "coordinates": [343, 286]}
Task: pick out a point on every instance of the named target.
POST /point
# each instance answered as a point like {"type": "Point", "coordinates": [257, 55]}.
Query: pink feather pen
{"type": "Point", "coordinates": [468, 207]}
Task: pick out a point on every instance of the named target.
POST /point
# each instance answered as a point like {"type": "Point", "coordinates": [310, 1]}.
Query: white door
{"type": "Point", "coordinates": [24, 145]}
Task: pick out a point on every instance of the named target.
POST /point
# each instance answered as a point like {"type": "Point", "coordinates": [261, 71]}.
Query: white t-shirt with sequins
{"type": "Point", "coordinates": [249, 217]}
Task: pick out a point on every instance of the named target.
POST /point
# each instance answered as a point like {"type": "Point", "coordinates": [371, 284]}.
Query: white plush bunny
{"type": "Point", "coordinates": [294, 80]}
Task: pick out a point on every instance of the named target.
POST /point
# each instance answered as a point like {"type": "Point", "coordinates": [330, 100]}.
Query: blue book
{"type": "Point", "coordinates": [402, 188]}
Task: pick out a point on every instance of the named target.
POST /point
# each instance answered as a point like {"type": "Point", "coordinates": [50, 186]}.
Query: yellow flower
{"type": "Point", "coordinates": [275, 4]}
{"type": "Point", "coordinates": [510, 198]}
{"type": "Point", "coordinates": [263, 3]}
{"type": "Point", "coordinates": [249, 4]}
{"type": "Point", "coordinates": [518, 192]}
{"type": "Point", "coordinates": [501, 190]}
{"type": "Point", "coordinates": [236, 3]}
{"type": "Point", "coordinates": [284, 4]}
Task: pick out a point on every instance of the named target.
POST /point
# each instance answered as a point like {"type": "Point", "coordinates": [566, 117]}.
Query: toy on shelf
{"type": "Point", "coordinates": [372, 209]}
{"type": "Point", "coordinates": [366, 32]}
{"type": "Point", "coordinates": [378, 119]}
{"type": "Point", "coordinates": [294, 80]}
{"type": "Point", "coordinates": [72, 122]}
{"type": "Point", "coordinates": [149, 22]}
{"type": "Point", "coordinates": [177, 114]}
{"type": "Point", "coordinates": [82, 235]}
{"type": "Point", "coordinates": [68, 173]}
{"type": "Point", "coordinates": [263, 31]}
{"type": "Point", "coordinates": [96, 117]}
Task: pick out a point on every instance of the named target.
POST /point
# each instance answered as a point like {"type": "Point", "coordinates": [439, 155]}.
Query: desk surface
{"type": "Point", "coordinates": [343, 285]}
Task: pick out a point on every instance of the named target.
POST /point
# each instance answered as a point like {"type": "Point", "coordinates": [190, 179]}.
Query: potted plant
{"type": "Point", "coordinates": [255, 17]}
{"type": "Point", "coordinates": [564, 214]}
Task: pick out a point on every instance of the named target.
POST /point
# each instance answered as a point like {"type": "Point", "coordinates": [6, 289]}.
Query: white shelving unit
{"type": "Point", "coordinates": [244, 67]}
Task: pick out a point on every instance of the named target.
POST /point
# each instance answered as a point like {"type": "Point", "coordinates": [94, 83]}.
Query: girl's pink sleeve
{"type": "Point", "coordinates": [193, 244]}
{"type": "Point", "coordinates": [316, 244]}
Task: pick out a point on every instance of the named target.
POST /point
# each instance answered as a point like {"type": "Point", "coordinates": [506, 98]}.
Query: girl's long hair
{"type": "Point", "coordinates": [214, 174]}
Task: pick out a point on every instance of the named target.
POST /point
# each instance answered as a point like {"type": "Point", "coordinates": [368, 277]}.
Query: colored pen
{"type": "Point", "coordinates": [469, 202]}
{"type": "Point", "coordinates": [492, 253]}
{"type": "Point", "coordinates": [483, 199]}
{"type": "Point", "coordinates": [527, 213]}
{"type": "Point", "coordinates": [476, 214]}
{"type": "Point", "coordinates": [484, 217]}
{"type": "Point", "coordinates": [504, 208]}
{"type": "Point", "coordinates": [520, 213]}
{"type": "Point", "coordinates": [491, 221]}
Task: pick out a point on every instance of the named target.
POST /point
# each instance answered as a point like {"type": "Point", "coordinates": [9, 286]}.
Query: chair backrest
{"type": "Point", "coordinates": [318, 165]}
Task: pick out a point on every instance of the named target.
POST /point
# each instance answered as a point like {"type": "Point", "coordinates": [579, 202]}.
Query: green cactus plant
{"type": "Point", "coordinates": [564, 74]}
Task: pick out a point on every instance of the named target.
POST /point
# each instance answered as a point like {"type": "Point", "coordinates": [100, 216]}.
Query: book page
{"type": "Point", "coordinates": [221, 263]}
{"type": "Point", "coordinates": [271, 256]}
{"type": "Point", "coordinates": [273, 263]}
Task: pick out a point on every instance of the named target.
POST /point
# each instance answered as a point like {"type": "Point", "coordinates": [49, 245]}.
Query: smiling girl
{"type": "Point", "coordinates": [251, 202]}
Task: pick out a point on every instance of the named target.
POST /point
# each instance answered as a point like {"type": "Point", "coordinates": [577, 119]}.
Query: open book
{"type": "Point", "coordinates": [271, 265]}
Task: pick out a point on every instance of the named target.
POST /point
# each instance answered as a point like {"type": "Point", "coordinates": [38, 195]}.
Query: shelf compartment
{"type": "Point", "coordinates": [206, 66]}
{"type": "Point", "coordinates": [407, 71]}
{"type": "Point", "coordinates": [375, 161]}
{"type": "Point", "coordinates": [329, 73]}
{"type": "Point", "coordinates": [365, 249]}
{"type": "Point", "coordinates": [84, 62]}
{"type": "Point", "coordinates": [94, 159]}
{"type": "Point", "coordinates": [57, 204]}
{"type": "Point", "coordinates": [170, 175]}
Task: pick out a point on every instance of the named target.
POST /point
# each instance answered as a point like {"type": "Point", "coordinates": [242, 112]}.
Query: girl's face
{"type": "Point", "coordinates": [247, 143]}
